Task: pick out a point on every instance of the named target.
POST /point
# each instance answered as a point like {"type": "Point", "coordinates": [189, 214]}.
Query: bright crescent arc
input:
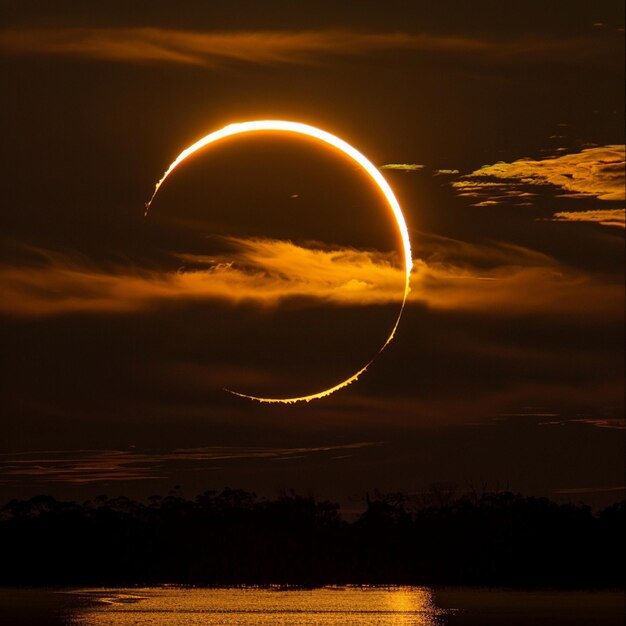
{"type": "Point", "coordinates": [366, 165]}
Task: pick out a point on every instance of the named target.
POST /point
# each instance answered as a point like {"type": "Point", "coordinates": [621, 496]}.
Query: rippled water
{"type": "Point", "coordinates": [336, 606]}
{"type": "Point", "coordinates": [403, 606]}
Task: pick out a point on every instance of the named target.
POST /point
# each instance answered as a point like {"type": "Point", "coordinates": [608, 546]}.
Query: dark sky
{"type": "Point", "coordinates": [270, 264]}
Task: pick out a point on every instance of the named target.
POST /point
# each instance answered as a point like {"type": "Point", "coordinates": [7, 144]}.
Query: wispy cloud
{"type": "Point", "coordinates": [559, 419]}
{"type": "Point", "coordinates": [417, 167]}
{"type": "Point", "coordinates": [92, 466]}
{"type": "Point", "coordinates": [262, 271]}
{"type": "Point", "coordinates": [451, 275]}
{"type": "Point", "coordinates": [210, 49]}
{"type": "Point", "coordinates": [613, 423]}
{"type": "Point", "coordinates": [592, 173]}
{"type": "Point", "coordinates": [403, 167]}
{"type": "Point", "coordinates": [605, 217]}
{"type": "Point", "coordinates": [490, 193]}
{"type": "Point", "coordinates": [447, 172]}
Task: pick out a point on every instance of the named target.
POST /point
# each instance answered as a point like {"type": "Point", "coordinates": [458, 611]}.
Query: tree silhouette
{"type": "Point", "coordinates": [232, 537]}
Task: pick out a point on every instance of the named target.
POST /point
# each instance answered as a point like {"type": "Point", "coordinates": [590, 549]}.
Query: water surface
{"type": "Point", "coordinates": [329, 606]}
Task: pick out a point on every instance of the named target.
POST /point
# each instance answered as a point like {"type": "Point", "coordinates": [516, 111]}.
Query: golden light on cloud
{"type": "Point", "coordinates": [593, 172]}
{"type": "Point", "coordinates": [604, 217]}
{"type": "Point", "coordinates": [364, 163]}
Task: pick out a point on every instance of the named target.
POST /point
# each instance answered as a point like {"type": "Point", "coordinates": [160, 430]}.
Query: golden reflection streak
{"type": "Point", "coordinates": [344, 147]}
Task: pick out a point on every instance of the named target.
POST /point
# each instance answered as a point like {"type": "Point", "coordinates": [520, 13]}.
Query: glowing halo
{"type": "Point", "coordinates": [366, 165]}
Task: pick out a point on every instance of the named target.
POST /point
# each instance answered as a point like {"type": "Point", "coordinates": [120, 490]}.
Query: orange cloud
{"type": "Point", "coordinates": [452, 275]}
{"type": "Point", "coordinates": [595, 172]}
{"type": "Point", "coordinates": [606, 217]}
{"type": "Point", "coordinates": [447, 172]}
{"type": "Point", "coordinates": [262, 271]}
{"type": "Point", "coordinates": [146, 44]}
{"type": "Point", "coordinates": [403, 167]}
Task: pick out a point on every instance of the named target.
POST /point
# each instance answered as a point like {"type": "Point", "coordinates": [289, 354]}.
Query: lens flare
{"type": "Point", "coordinates": [365, 164]}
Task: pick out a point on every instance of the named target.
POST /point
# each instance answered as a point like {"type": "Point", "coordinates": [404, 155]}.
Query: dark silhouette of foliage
{"type": "Point", "coordinates": [232, 537]}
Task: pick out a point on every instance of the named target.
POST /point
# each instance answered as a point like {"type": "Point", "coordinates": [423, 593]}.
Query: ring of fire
{"type": "Point", "coordinates": [366, 165]}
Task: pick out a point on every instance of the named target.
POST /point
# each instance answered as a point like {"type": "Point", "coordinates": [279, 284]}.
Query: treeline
{"type": "Point", "coordinates": [232, 537]}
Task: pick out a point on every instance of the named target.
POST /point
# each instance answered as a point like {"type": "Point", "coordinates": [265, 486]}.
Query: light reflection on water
{"type": "Point", "coordinates": [341, 606]}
